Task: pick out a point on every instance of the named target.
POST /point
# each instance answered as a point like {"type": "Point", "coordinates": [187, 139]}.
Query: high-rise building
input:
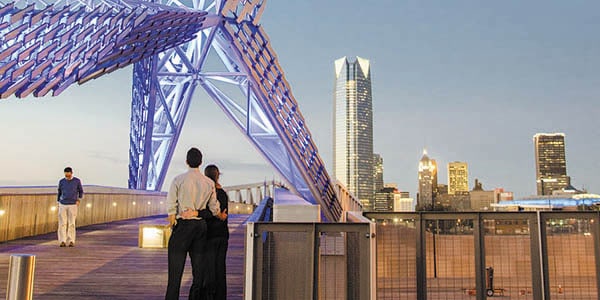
{"type": "Point", "coordinates": [442, 189]}
{"type": "Point", "coordinates": [353, 128]}
{"type": "Point", "coordinates": [427, 180]}
{"type": "Point", "coordinates": [384, 199]}
{"type": "Point", "coordinates": [402, 203]}
{"type": "Point", "coordinates": [377, 173]}
{"type": "Point", "coordinates": [458, 178]}
{"type": "Point", "coordinates": [550, 163]}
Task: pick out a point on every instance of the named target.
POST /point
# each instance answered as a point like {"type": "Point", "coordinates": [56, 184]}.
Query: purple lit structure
{"type": "Point", "coordinates": [173, 46]}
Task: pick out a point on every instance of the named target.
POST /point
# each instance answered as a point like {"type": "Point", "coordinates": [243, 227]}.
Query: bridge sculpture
{"type": "Point", "coordinates": [174, 46]}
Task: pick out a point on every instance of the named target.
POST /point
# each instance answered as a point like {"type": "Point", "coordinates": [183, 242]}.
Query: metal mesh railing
{"type": "Point", "coordinates": [508, 258]}
{"type": "Point", "coordinates": [449, 259]}
{"type": "Point", "coordinates": [571, 257]}
{"type": "Point", "coordinates": [486, 255]}
{"type": "Point", "coordinates": [396, 259]}
{"type": "Point", "coordinates": [309, 261]}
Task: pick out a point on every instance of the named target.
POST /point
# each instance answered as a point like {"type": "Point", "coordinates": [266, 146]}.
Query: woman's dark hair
{"type": "Point", "coordinates": [194, 158]}
{"type": "Point", "coordinates": [212, 172]}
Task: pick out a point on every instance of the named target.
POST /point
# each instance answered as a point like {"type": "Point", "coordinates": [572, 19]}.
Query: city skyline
{"type": "Point", "coordinates": [465, 80]}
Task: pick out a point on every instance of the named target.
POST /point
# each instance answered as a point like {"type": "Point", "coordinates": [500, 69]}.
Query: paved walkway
{"type": "Point", "coordinates": [107, 263]}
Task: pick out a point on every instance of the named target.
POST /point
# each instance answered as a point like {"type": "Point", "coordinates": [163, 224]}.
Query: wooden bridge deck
{"type": "Point", "coordinates": [107, 263]}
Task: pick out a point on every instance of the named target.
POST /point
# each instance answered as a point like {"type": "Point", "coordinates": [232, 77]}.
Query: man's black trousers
{"type": "Point", "coordinates": [187, 237]}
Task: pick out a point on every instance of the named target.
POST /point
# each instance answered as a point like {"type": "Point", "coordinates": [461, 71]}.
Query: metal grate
{"type": "Point", "coordinates": [396, 259]}
{"type": "Point", "coordinates": [450, 260]}
{"type": "Point", "coordinates": [508, 258]}
{"type": "Point", "coordinates": [333, 266]}
{"type": "Point", "coordinates": [284, 261]}
{"type": "Point", "coordinates": [310, 261]}
{"type": "Point", "coordinates": [571, 259]}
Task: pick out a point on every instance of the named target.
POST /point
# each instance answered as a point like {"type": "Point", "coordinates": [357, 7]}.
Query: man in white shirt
{"type": "Point", "coordinates": [189, 193]}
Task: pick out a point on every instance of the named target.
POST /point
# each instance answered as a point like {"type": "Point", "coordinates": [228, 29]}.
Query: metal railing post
{"type": "Point", "coordinates": [537, 274]}
{"type": "Point", "coordinates": [21, 268]}
{"type": "Point", "coordinates": [421, 259]}
{"type": "Point", "coordinates": [480, 274]}
{"type": "Point", "coordinates": [249, 263]}
{"type": "Point", "coordinates": [596, 234]}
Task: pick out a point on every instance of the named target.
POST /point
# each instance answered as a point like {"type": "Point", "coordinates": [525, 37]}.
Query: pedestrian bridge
{"type": "Point", "coordinates": [512, 255]}
{"type": "Point", "coordinates": [107, 263]}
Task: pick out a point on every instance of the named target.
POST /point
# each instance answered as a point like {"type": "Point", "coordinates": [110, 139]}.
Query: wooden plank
{"type": "Point", "coordinates": [106, 263]}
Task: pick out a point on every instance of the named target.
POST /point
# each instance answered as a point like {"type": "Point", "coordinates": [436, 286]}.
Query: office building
{"type": "Point", "coordinates": [403, 204]}
{"type": "Point", "coordinates": [550, 163]}
{"type": "Point", "coordinates": [384, 199]}
{"type": "Point", "coordinates": [442, 189]}
{"type": "Point", "coordinates": [377, 173]}
{"type": "Point", "coordinates": [482, 200]}
{"type": "Point", "coordinates": [427, 181]}
{"type": "Point", "coordinates": [458, 178]}
{"type": "Point", "coordinates": [353, 128]}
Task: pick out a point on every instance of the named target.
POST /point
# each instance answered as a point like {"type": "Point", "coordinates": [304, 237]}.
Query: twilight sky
{"type": "Point", "coordinates": [469, 80]}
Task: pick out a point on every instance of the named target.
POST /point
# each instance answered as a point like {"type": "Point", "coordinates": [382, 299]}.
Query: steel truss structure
{"type": "Point", "coordinates": [175, 47]}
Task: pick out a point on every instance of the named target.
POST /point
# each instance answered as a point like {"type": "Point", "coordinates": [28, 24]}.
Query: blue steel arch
{"type": "Point", "coordinates": [48, 47]}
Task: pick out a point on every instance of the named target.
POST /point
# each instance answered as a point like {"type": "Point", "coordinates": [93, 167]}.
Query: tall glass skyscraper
{"type": "Point", "coordinates": [550, 163]}
{"type": "Point", "coordinates": [353, 128]}
{"type": "Point", "coordinates": [377, 173]}
{"type": "Point", "coordinates": [427, 181]}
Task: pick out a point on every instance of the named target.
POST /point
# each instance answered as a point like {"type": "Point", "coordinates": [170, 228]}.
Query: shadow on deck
{"type": "Point", "coordinates": [107, 263]}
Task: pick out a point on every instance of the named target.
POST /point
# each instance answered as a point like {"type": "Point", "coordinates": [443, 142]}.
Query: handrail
{"type": "Point", "coordinates": [264, 211]}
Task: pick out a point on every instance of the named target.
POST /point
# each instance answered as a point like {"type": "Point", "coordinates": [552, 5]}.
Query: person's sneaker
{"type": "Point", "coordinates": [71, 244]}
{"type": "Point", "coordinates": [62, 244]}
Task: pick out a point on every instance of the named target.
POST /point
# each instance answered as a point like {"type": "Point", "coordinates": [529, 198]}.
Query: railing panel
{"type": "Point", "coordinates": [310, 261]}
{"type": "Point", "coordinates": [571, 257]}
{"type": "Point", "coordinates": [450, 259]}
{"type": "Point", "coordinates": [508, 258]}
{"type": "Point", "coordinates": [282, 257]}
{"type": "Point", "coordinates": [396, 259]}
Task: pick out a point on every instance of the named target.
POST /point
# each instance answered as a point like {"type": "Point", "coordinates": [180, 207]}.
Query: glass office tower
{"type": "Point", "coordinates": [353, 128]}
{"type": "Point", "coordinates": [550, 163]}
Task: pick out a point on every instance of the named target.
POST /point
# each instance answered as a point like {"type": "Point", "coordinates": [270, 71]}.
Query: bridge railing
{"type": "Point", "coordinates": [251, 193]}
{"type": "Point", "coordinates": [346, 199]}
{"type": "Point", "coordinates": [263, 212]}
{"type": "Point", "coordinates": [31, 211]}
{"type": "Point", "coordinates": [308, 261]}
{"type": "Point", "coordinates": [518, 255]}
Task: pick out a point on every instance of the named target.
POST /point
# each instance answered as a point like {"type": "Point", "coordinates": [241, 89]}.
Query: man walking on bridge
{"type": "Point", "coordinates": [190, 192]}
{"type": "Point", "coordinates": [70, 193]}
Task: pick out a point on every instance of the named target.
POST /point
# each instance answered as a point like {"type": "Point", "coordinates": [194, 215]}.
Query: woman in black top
{"type": "Point", "coordinates": [218, 239]}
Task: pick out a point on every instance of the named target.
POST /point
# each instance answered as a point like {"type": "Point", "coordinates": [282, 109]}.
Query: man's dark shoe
{"type": "Point", "coordinates": [71, 244]}
{"type": "Point", "coordinates": [62, 244]}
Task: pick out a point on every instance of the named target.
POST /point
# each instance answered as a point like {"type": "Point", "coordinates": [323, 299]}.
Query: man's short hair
{"type": "Point", "coordinates": [68, 169]}
{"type": "Point", "coordinates": [194, 158]}
{"type": "Point", "coordinates": [212, 172]}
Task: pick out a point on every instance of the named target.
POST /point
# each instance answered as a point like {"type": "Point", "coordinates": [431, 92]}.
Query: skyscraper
{"type": "Point", "coordinates": [458, 178]}
{"type": "Point", "coordinates": [353, 128]}
{"type": "Point", "coordinates": [550, 163]}
{"type": "Point", "coordinates": [377, 173]}
{"type": "Point", "coordinates": [427, 180]}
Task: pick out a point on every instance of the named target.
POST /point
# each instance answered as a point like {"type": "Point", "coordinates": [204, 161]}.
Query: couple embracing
{"type": "Point", "coordinates": [197, 209]}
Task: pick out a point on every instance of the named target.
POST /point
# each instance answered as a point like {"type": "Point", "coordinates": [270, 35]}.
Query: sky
{"type": "Point", "coordinates": [468, 80]}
